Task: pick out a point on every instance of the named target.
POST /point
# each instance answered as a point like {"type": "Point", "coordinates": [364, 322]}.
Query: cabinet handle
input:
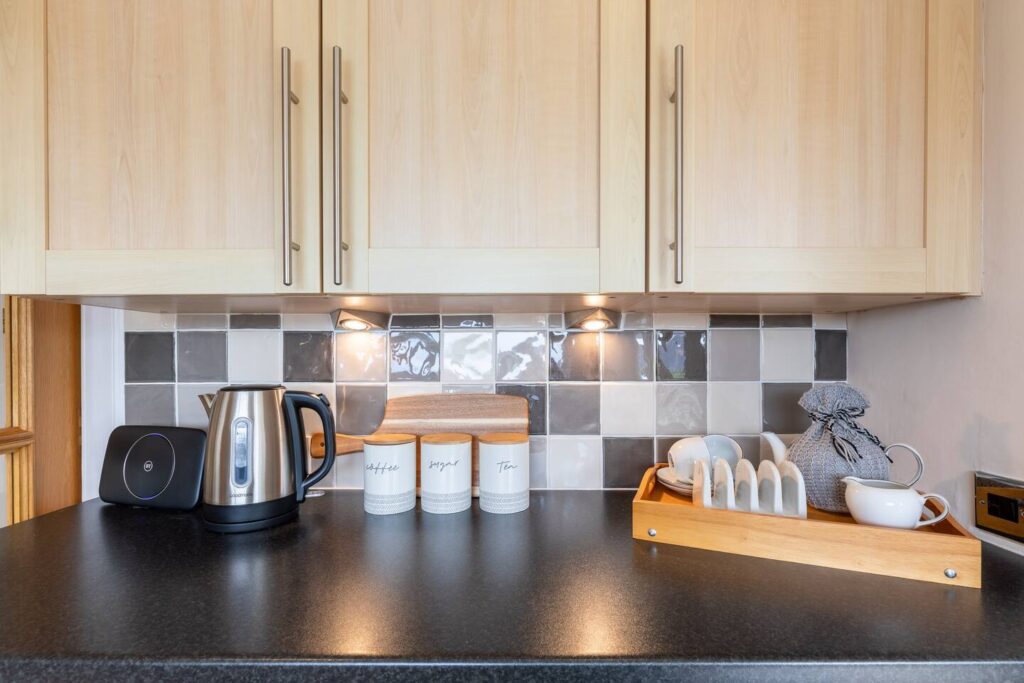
{"type": "Point", "coordinates": [677, 99]}
{"type": "Point", "coordinates": [287, 99]}
{"type": "Point", "coordinates": [340, 98]}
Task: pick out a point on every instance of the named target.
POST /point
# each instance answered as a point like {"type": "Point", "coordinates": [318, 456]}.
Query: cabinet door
{"type": "Point", "coordinates": [804, 131]}
{"type": "Point", "coordinates": [166, 146]}
{"type": "Point", "coordinates": [487, 145]}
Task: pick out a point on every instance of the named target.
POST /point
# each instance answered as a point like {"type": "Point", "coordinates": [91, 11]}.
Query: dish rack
{"type": "Point", "coordinates": [944, 553]}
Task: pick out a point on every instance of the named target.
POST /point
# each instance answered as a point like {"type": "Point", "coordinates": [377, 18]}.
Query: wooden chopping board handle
{"type": "Point", "coordinates": [343, 444]}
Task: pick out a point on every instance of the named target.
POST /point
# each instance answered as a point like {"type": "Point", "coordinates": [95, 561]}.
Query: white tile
{"type": "Point", "coordinates": [396, 390]}
{"type": "Point", "coordinates": [348, 471]}
{"type": "Point", "coordinates": [681, 321]}
{"type": "Point", "coordinates": [538, 321]}
{"type": "Point", "coordinates": [787, 355]}
{"type": "Point", "coordinates": [575, 462]}
{"type": "Point", "coordinates": [137, 321]}
{"type": "Point", "coordinates": [467, 388]}
{"type": "Point", "coordinates": [830, 321]}
{"type": "Point", "coordinates": [361, 356]}
{"type": "Point", "coordinates": [538, 462]}
{"type": "Point", "coordinates": [255, 356]}
{"type": "Point", "coordinates": [734, 408]}
{"type": "Point", "coordinates": [191, 412]}
{"type": "Point", "coordinates": [467, 357]}
{"type": "Point", "coordinates": [627, 409]}
{"type": "Point", "coordinates": [307, 322]}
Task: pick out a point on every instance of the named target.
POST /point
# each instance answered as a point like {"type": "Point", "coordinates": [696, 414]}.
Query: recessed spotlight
{"type": "Point", "coordinates": [357, 321]}
{"type": "Point", "coordinates": [593, 319]}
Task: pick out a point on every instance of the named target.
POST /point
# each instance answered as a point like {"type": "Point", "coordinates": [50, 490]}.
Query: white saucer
{"type": "Point", "coordinates": [667, 478]}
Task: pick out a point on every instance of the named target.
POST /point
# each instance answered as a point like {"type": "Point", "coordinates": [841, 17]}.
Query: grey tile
{"type": "Point", "coordinates": [556, 321]}
{"type": "Point", "coordinates": [467, 321]}
{"type": "Point", "coordinates": [361, 356]}
{"type": "Point", "coordinates": [574, 356]}
{"type": "Point", "coordinates": [255, 322]}
{"type": "Point", "coordinates": [830, 355]}
{"type": "Point", "coordinates": [149, 404]}
{"type": "Point", "coordinates": [202, 321]}
{"type": "Point", "coordinates": [191, 412]}
{"type": "Point", "coordinates": [521, 356]}
{"type": "Point", "coordinates": [626, 460]}
{"type": "Point", "coordinates": [202, 356]}
{"type": "Point", "coordinates": [682, 408]}
{"type": "Point", "coordinates": [628, 356]}
{"type": "Point", "coordinates": [786, 320]}
{"type": "Point", "coordinates": [751, 447]}
{"type": "Point", "coordinates": [536, 396]}
{"type": "Point", "coordinates": [415, 322]}
{"type": "Point", "coordinates": [575, 409]}
{"type": "Point", "coordinates": [734, 355]}
{"type": "Point", "coordinates": [538, 462]}
{"type": "Point", "coordinates": [415, 356]}
{"type": "Point", "coordinates": [733, 320]}
{"type": "Point", "coordinates": [637, 320]}
{"type": "Point", "coordinates": [782, 413]}
{"type": "Point", "coordinates": [682, 355]}
{"type": "Point", "coordinates": [359, 408]}
{"type": "Point", "coordinates": [308, 356]}
{"type": "Point", "coordinates": [148, 356]}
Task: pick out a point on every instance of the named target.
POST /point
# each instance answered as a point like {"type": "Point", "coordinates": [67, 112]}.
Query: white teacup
{"type": "Point", "coordinates": [684, 453]}
{"type": "Point", "coordinates": [889, 503]}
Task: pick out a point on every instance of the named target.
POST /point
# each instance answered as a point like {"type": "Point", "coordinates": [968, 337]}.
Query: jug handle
{"type": "Point", "coordinates": [294, 402]}
{"type": "Point", "coordinates": [917, 457]}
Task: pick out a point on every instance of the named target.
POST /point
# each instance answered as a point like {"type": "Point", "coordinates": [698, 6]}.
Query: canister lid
{"type": "Point", "coordinates": [501, 438]}
{"type": "Point", "coordinates": [446, 438]}
{"type": "Point", "coordinates": [389, 439]}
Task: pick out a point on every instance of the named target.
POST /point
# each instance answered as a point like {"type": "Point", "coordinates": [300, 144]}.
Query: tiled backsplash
{"type": "Point", "coordinates": [603, 405]}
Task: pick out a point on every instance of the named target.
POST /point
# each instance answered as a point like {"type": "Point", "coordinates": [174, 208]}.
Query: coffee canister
{"type": "Point", "coordinates": [446, 472]}
{"type": "Point", "coordinates": [504, 472]}
{"type": "Point", "coordinates": [389, 473]}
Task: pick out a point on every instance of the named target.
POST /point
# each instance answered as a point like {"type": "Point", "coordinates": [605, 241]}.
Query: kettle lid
{"type": "Point", "coordinates": [252, 387]}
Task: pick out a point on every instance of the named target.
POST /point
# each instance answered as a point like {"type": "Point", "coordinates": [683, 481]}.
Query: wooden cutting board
{"type": "Point", "coordinates": [473, 414]}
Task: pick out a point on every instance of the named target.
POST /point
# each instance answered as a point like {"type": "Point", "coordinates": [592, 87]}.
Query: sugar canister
{"type": "Point", "coordinates": [446, 472]}
{"type": "Point", "coordinates": [389, 473]}
{"type": "Point", "coordinates": [504, 472]}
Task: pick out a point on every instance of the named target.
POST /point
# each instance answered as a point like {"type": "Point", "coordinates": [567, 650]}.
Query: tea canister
{"type": "Point", "coordinates": [389, 473]}
{"type": "Point", "coordinates": [446, 472]}
{"type": "Point", "coordinates": [504, 472]}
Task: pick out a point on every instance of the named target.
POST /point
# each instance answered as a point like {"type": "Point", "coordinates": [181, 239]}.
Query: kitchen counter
{"type": "Point", "coordinates": [562, 590]}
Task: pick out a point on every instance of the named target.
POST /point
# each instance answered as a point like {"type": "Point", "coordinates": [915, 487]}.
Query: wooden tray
{"type": "Point", "coordinates": [824, 539]}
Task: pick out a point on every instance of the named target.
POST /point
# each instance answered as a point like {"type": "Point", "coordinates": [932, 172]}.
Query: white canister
{"type": "Point", "coordinates": [504, 472]}
{"type": "Point", "coordinates": [446, 472]}
{"type": "Point", "coordinates": [389, 473]}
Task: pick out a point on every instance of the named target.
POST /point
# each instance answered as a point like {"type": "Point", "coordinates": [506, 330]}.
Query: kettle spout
{"type": "Point", "coordinates": [207, 401]}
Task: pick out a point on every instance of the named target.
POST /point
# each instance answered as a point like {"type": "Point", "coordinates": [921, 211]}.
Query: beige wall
{"type": "Point", "coordinates": [948, 376]}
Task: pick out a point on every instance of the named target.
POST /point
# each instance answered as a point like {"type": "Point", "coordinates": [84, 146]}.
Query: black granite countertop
{"type": "Point", "coordinates": [560, 591]}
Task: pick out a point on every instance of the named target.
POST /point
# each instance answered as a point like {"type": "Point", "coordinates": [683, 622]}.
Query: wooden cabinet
{"type": "Point", "coordinates": [154, 147]}
{"type": "Point", "coordinates": [827, 147]}
{"type": "Point", "coordinates": [485, 146]}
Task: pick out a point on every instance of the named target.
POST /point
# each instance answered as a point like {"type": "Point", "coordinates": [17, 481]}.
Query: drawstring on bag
{"type": "Point", "coordinates": [846, 418]}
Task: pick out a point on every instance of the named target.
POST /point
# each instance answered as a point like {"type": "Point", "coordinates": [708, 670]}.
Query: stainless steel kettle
{"type": "Point", "coordinates": [255, 473]}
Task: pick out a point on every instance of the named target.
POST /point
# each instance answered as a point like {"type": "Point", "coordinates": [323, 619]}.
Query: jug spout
{"type": "Point", "coordinates": [851, 480]}
{"type": "Point", "coordinates": [207, 401]}
{"type": "Point", "coordinates": [779, 451]}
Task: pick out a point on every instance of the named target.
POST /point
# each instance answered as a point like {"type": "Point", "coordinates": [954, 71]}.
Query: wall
{"type": "Point", "coordinates": [947, 376]}
{"type": "Point", "coordinates": [602, 405]}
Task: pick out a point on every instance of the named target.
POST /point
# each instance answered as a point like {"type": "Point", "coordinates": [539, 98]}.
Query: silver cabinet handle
{"type": "Point", "coordinates": [339, 98]}
{"type": "Point", "coordinates": [287, 98]}
{"type": "Point", "coordinates": [677, 99]}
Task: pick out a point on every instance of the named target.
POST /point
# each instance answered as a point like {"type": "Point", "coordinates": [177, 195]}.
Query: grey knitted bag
{"type": "Point", "coordinates": [835, 446]}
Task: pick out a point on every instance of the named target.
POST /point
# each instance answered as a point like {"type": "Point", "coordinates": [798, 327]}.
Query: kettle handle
{"type": "Point", "coordinates": [294, 401]}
